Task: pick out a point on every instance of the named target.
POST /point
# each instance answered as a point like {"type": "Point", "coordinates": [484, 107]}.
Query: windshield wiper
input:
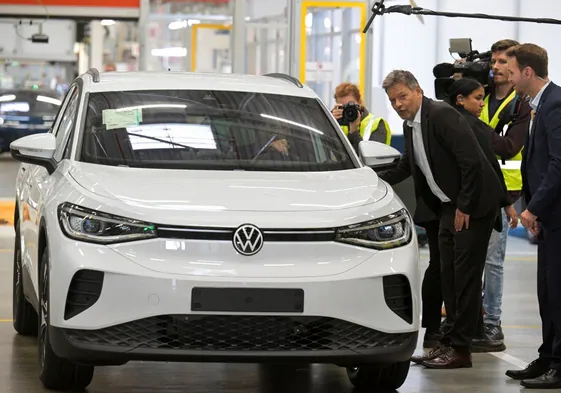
{"type": "Point", "coordinates": [265, 146]}
{"type": "Point", "coordinates": [160, 140]}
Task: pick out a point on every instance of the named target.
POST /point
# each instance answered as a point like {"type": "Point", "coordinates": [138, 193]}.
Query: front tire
{"type": "Point", "coordinates": [379, 377]}
{"type": "Point", "coordinates": [56, 373]}
{"type": "Point", "coordinates": [23, 313]}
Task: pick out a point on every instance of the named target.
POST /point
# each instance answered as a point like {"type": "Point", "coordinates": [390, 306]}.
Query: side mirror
{"type": "Point", "coordinates": [37, 149]}
{"type": "Point", "coordinates": [376, 154]}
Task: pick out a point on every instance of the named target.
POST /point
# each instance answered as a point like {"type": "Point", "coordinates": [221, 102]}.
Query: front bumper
{"type": "Point", "coordinates": [107, 309]}
{"type": "Point", "coordinates": [240, 339]}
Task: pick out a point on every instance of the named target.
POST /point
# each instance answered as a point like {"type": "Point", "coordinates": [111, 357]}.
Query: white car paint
{"type": "Point", "coordinates": [155, 276]}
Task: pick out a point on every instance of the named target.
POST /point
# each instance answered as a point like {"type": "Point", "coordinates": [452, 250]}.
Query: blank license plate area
{"type": "Point", "coordinates": [247, 300]}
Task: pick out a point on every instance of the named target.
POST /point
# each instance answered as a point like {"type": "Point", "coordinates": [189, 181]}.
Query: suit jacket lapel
{"type": "Point", "coordinates": [543, 99]}
{"type": "Point", "coordinates": [425, 109]}
{"type": "Point", "coordinates": [408, 134]}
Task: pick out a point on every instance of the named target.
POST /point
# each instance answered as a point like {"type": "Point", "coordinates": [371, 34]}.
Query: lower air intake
{"type": "Point", "coordinates": [85, 290]}
{"type": "Point", "coordinates": [240, 333]}
{"type": "Point", "coordinates": [397, 292]}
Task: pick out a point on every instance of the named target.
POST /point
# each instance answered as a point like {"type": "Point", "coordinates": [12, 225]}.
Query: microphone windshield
{"type": "Point", "coordinates": [443, 70]}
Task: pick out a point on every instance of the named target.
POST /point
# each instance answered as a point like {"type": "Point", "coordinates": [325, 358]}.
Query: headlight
{"type": "Point", "coordinates": [383, 233]}
{"type": "Point", "coordinates": [92, 226]}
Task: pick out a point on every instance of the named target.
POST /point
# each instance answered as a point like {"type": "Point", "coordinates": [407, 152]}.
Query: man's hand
{"type": "Point", "coordinates": [512, 216]}
{"type": "Point", "coordinates": [535, 230]}
{"type": "Point", "coordinates": [461, 220]}
{"type": "Point", "coordinates": [529, 220]}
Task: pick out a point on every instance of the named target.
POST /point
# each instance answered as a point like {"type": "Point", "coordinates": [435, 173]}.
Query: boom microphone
{"type": "Point", "coordinates": [443, 70]}
{"type": "Point", "coordinates": [377, 9]}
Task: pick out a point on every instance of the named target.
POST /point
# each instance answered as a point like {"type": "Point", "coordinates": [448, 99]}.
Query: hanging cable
{"type": "Point", "coordinates": [380, 9]}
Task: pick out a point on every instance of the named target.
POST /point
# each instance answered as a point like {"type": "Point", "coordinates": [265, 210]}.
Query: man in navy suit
{"type": "Point", "coordinates": [541, 176]}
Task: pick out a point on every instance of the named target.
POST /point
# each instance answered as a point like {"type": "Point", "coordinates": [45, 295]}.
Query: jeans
{"type": "Point", "coordinates": [493, 279]}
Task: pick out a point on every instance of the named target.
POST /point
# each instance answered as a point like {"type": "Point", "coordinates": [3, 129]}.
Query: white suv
{"type": "Point", "coordinates": [203, 217]}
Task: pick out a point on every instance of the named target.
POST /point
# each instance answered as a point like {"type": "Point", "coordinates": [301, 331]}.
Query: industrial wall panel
{"type": "Point", "coordinates": [15, 43]}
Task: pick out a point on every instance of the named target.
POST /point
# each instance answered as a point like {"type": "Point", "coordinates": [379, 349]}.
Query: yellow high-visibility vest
{"type": "Point", "coordinates": [511, 167]}
{"type": "Point", "coordinates": [368, 125]}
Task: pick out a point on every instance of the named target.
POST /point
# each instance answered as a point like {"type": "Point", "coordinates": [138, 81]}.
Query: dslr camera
{"type": "Point", "coordinates": [475, 65]}
{"type": "Point", "coordinates": [351, 110]}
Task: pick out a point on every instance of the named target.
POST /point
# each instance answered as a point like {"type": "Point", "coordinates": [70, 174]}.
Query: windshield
{"type": "Point", "coordinates": [29, 103]}
{"type": "Point", "coordinates": [209, 129]}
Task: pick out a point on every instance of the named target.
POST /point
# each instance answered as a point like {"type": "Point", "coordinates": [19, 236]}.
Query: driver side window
{"type": "Point", "coordinates": [67, 123]}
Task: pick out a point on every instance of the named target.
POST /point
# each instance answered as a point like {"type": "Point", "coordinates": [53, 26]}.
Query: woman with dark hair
{"type": "Point", "coordinates": [467, 95]}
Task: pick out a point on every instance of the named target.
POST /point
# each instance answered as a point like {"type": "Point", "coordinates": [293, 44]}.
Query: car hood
{"type": "Point", "coordinates": [197, 190]}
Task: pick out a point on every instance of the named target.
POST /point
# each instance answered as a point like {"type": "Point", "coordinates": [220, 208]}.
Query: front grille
{"type": "Point", "coordinates": [226, 234]}
{"type": "Point", "coordinates": [397, 293]}
{"type": "Point", "coordinates": [240, 333]}
{"type": "Point", "coordinates": [84, 291]}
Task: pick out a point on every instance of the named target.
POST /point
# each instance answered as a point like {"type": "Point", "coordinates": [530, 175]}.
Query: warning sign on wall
{"type": "Point", "coordinates": [317, 71]}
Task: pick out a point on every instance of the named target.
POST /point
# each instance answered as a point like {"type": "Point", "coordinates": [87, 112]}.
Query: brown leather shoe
{"type": "Point", "coordinates": [449, 359]}
{"type": "Point", "coordinates": [432, 354]}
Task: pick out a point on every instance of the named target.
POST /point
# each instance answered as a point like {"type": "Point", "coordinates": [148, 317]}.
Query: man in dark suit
{"type": "Point", "coordinates": [455, 180]}
{"type": "Point", "coordinates": [541, 178]}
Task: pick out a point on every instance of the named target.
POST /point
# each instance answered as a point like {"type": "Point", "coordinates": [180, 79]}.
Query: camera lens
{"type": "Point", "coordinates": [350, 114]}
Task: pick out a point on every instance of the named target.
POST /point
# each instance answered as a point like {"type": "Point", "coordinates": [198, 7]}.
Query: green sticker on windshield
{"type": "Point", "coordinates": [121, 118]}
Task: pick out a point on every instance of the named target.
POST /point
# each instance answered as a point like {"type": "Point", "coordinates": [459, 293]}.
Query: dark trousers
{"type": "Point", "coordinates": [549, 294]}
{"type": "Point", "coordinates": [431, 290]}
{"type": "Point", "coordinates": [462, 258]}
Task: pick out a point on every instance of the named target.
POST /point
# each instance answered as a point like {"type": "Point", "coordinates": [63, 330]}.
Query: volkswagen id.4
{"type": "Point", "coordinates": [172, 216]}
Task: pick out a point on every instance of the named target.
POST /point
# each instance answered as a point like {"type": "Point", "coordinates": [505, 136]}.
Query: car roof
{"type": "Point", "coordinates": [173, 80]}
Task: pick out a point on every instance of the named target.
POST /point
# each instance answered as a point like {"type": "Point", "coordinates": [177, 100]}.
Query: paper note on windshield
{"type": "Point", "coordinates": [118, 118]}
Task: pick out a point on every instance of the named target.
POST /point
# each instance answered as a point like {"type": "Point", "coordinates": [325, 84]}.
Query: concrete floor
{"type": "Point", "coordinates": [19, 371]}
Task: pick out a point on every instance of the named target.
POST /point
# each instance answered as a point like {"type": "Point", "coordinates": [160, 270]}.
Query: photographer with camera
{"type": "Point", "coordinates": [355, 120]}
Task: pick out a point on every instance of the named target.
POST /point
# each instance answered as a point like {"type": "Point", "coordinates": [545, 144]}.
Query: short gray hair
{"type": "Point", "coordinates": [400, 76]}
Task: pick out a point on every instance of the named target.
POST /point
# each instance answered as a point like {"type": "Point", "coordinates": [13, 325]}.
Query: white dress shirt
{"type": "Point", "coordinates": [535, 103]}
{"type": "Point", "coordinates": [420, 156]}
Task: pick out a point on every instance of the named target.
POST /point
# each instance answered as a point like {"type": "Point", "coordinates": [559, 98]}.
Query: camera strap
{"type": "Point", "coordinates": [510, 114]}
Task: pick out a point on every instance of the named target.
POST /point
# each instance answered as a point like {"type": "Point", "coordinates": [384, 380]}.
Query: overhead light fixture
{"type": "Point", "coordinates": [107, 22]}
{"type": "Point", "coordinates": [182, 24]}
{"type": "Point", "coordinates": [7, 97]}
{"type": "Point", "coordinates": [170, 52]}
{"type": "Point", "coordinates": [152, 106]}
{"type": "Point", "coordinates": [178, 24]}
{"type": "Point", "coordinates": [49, 100]}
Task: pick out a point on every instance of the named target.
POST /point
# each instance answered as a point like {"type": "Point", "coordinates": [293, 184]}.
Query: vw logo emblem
{"type": "Point", "coordinates": [248, 240]}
